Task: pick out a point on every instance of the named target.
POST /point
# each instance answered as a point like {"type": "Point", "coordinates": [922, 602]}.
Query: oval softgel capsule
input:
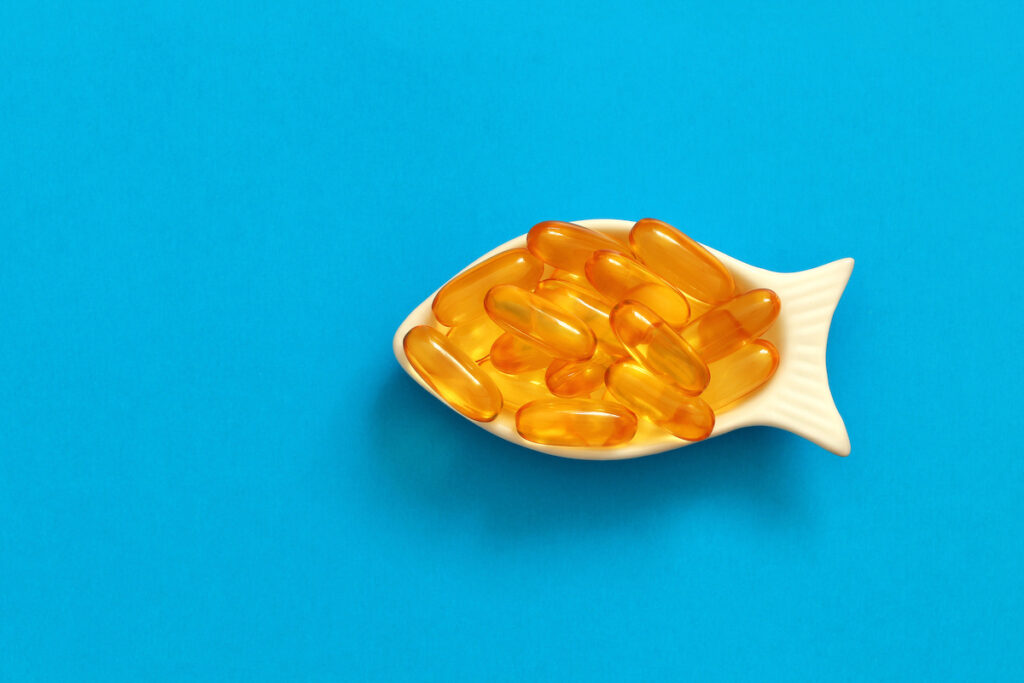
{"type": "Point", "coordinates": [576, 422]}
{"type": "Point", "coordinates": [462, 299]}
{"type": "Point", "coordinates": [728, 326]}
{"type": "Point", "coordinates": [566, 246]}
{"type": "Point", "coordinates": [452, 374]}
{"type": "Point", "coordinates": [664, 404]}
{"type": "Point", "coordinates": [681, 261]}
{"type": "Point", "coordinates": [655, 345]}
{"type": "Point", "coordinates": [740, 374]}
{"type": "Point", "coordinates": [537, 320]}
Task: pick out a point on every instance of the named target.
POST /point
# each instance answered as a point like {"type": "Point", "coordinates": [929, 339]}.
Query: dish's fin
{"type": "Point", "coordinates": [803, 403]}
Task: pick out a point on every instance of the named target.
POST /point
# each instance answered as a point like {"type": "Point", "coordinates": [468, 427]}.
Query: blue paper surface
{"type": "Point", "coordinates": [214, 215]}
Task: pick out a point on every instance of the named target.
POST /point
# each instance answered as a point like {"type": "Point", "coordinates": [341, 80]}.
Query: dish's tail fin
{"type": "Point", "coordinates": [804, 404]}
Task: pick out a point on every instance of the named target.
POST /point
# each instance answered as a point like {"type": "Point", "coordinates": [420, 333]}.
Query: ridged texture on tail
{"type": "Point", "coordinates": [802, 402]}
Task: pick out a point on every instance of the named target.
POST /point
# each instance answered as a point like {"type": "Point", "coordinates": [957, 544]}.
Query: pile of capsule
{"type": "Point", "coordinates": [580, 333]}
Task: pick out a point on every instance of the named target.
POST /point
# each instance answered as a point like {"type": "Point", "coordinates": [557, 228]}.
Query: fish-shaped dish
{"type": "Point", "coordinates": [610, 339]}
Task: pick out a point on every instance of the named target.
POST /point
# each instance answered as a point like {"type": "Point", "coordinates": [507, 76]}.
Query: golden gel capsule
{"type": "Point", "coordinates": [575, 422]}
{"type": "Point", "coordinates": [566, 246]}
{"type": "Point", "coordinates": [462, 298]}
{"type": "Point", "coordinates": [613, 274]}
{"type": "Point", "coordinates": [452, 374]}
{"type": "Point", "coordinates": [517, 389]}
{"type": "Point", "coordinates": [577, 378]}
{"type": "Point", "coordinates": [657, 347]}
{"type": "Point", "coordinates": [687, 417]}
{"type": "Point", "coordinates": [682, 262]}
{"type": "Point", "coordinates": [668, 303]}
{"type": "Point", "coordinates": [584, 303]}
{"type": "Point", "coordinates": [512, 355]}
{"type": "Point", "coordinates": [740, 374]}
{"type": "Point", "coordinates": [537, 320]}
{"type": "Point", "coordinates": [475, 337]}
{"type": "Point", "coordinates": [728, 326]}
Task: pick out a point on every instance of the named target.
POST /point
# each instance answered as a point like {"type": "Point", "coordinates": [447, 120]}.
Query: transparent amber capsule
{"type": "Point", "coordinates": [452, 374]}
{"type": "Point", "coordinates": [682, 262]}
{"type": "Point", "coordinates": [668, 303]}
{"type": "Point", "coordinates": [512, 355]}
{"type": "Point", "coordinates": [575, 422]}
{"type": "Point", "coordinates": [519, 388]}
{"type": "Point", "coordinates": [613, 274]}
{"type": "Point", "coordinates": [728, 326]}
{"type": "Point", "coordinates": [462, 298]}
{"type": "Point", "coordinates": [577, 378]}
{"type": "Point", "coordinates": [475, 337]}
{"type": "Point", "coordinates": [659, 348]}
{"type": "Point", "coordinates": [566, 246]}
{"type": "Point", "coordinates": [537, 320]}
{"type": "Point", "coordinates": [584, 303]}
{"type": "Point", "coordinates": [740, 374]}
{"type": "Point", "coordinates": [687, 417]}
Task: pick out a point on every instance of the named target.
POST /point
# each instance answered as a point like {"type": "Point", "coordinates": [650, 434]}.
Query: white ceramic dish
{"type": "Point", "coordinates": [797, 399]}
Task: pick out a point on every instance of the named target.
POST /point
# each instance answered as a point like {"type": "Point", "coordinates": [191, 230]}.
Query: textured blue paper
{"type": "Point", "coordinates": [214, 215]}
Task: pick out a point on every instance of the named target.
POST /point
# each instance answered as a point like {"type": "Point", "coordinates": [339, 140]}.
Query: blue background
{"type": "Point", "coordinates": [214, 216]}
